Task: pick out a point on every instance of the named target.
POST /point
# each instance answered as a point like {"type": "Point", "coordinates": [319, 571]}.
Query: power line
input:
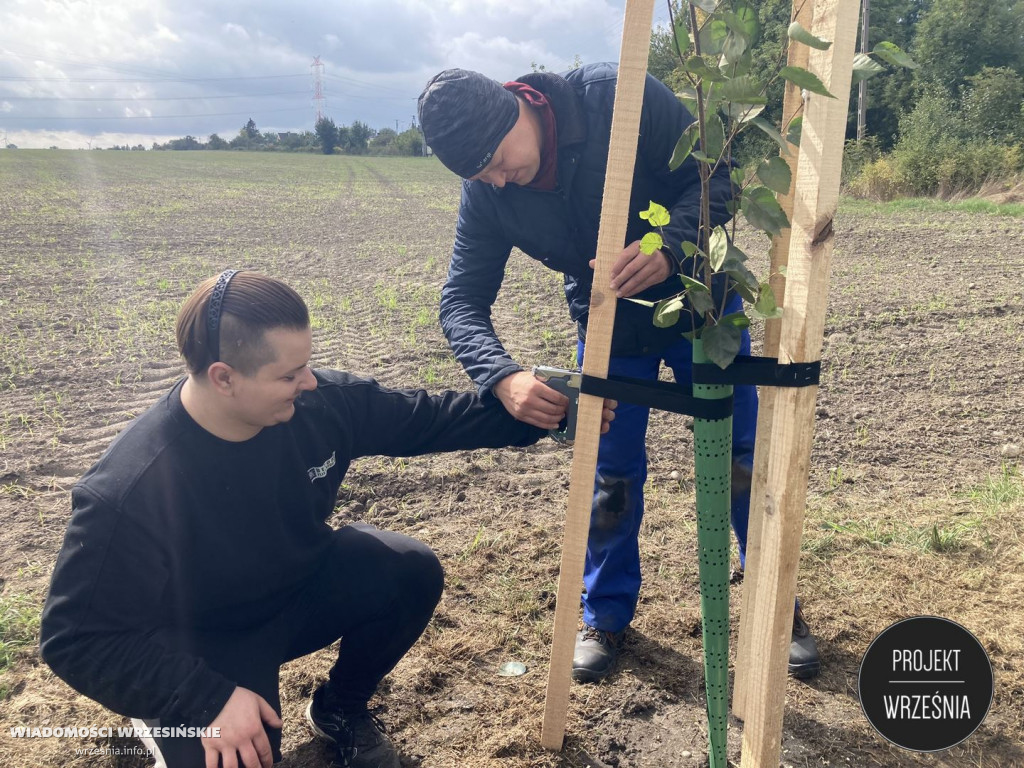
{"type": "Point", "coordinates": [375, 98]}
{"type": "Point", "coordinates": [154, 98]}
{"type": "Point", "coordinates": [152, 117]}
{"type": "Point", "coordinates": [363, 84]}
{"type": "Point", "coordinates": [151, 72]}
{"type": "Point", "coordinates": [30, 79]}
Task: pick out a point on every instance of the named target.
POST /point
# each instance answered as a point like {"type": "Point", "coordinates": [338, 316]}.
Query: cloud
{"type": "Point", "coordinates": [157, 68]}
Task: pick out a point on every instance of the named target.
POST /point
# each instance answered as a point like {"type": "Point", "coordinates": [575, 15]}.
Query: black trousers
{"type": "Point", "coordinates": [376, 591]}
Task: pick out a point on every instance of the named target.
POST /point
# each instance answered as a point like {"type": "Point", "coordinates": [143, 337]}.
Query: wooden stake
{"type": "Point", "coordinates": [817, 195]}
{"type": "Point", "coordinates": [629, 92]}
{"type": "Point", "coordinates": [792, 104]}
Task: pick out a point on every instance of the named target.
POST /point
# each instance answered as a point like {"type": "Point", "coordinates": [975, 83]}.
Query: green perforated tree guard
{"type": "Point", "coordinates": [713, 469]}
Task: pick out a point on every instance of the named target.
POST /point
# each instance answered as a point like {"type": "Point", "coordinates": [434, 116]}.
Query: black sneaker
{"type": "Point", "coordinates": [596, 651]}
{"type": "Point", "coordinates": [358, 736]}
{"type": "Point", "coordinates": [804, 662]}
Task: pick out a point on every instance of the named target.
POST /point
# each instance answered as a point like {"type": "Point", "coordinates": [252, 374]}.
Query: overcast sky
{"type": "Point", "coordinates": [74, 72]}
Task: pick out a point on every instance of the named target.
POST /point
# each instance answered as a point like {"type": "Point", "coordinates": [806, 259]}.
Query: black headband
{"type": "Point", "coordinates": [213, 312]}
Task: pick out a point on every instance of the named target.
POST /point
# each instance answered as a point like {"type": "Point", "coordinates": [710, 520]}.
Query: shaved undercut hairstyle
{"type": "Point", "coordinates": [250, 305]}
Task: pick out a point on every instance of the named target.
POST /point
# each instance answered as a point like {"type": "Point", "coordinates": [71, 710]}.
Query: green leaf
{"type": "Point", "coordinates": [893, 54]}
{"type": "Point", "coordinates": [705, 5]}
{"type": "Point", "coordinates": [775, 174]}
{"type": "Point", "coordinates": [733, 256]}
{"type": "Point", "coordinates": [763, 211]}
{"type": "Point", "coordinates": [773, 132]}
{"type": "Point", "coordinates": [743, 112]}
{"type": "Point", "coordinates": [712, 96]}
{"type": "Point", "coordinates": [713, 36]}
{"type": "Point", "coordinates": [651, 242]}
{"type": "Point", "coordinates": [865, 67]}
{"type": "Point", "coordinates": [765, 306]}
{"type": "Point", "coordinates": [737, 176]}
{"type": "Point", "coordinates": [801, 35]}
{"type": "Point", "coordinates": [718, 246]}
{"type": "Point", "coordinates": [745, 278]}
{"type": "Point", "coordinates": [734, 47]}
{"type": "Point", "coordinates": [666, 313]}
{"type": "Point", "coordinates": [688, 98]}
{"type": "Point", "coordinates": [722, 343]}
{"type": "Point", "coordinates": [684, 146]}
{"type": "Point", "coordinates": [656, 215]}
{"type": "Point", "coordinates": [736, 319]}
{"type": "Point", "coordinates": [693, 285]}
{"type": "Point", "coordinates": [744, 21]}
{"type": "Point", "coordinates": [744, 30]}
{"type": "Point", "coordinates": [794, 129]}
{"type": "Point", "coordinates": [689, 248]}
{"type": "Point", "coordinates": [738, 68]}
{"type": "Point", "coordinates": [701, 301]}
{"type": "Point", "coordinates": [696, 66]}
{"type": "Point", "coordinates": [714, 136]}
{"type": "Point", "coordinates": [748, 295]}
{"type": "Point", "coordinates": [745, 89]}
{"type": "Point", "coordinates": [743, 98]}
{"type": "Point", "coordinates": [641, 302]}
{"type": "Point", "coordinates": [801, 78]}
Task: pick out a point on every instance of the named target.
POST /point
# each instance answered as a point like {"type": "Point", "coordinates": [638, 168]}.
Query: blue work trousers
{"type": "Point", "coordinates": [611, 575]}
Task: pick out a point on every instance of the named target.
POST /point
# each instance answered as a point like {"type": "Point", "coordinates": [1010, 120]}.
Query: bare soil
{"type": "Point", "coordinates": [915, 494]}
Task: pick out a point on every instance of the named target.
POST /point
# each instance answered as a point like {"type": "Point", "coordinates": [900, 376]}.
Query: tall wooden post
{"type": "Point", "coordinates": [629, 91]}
{"type": "Point", "coordinates": [792, 105]}
{"type": "Point", "coordinates": [814, 207]}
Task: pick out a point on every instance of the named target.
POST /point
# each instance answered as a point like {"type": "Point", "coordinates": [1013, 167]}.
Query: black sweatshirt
{"type": "Point", "coordinates": [175, 530]}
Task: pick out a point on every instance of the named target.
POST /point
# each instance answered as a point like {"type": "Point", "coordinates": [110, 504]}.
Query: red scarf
{"type": "Point", "coordinates": [546, 177]}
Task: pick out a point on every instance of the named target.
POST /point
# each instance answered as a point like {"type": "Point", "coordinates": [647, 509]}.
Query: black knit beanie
{"type": "Point", "coordinates": [464, 117]}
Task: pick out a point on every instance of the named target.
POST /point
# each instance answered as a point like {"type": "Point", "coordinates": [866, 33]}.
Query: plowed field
{"type": "Point", "coordinates": [915, 502]}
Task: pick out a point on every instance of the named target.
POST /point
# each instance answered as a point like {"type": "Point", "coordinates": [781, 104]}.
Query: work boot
{"type": "Point", "coordinates": [804, 662]}
{"type": "Point", "coordinates": [358, 736]}
{"type": "Point", "coordinates": [595, 654]}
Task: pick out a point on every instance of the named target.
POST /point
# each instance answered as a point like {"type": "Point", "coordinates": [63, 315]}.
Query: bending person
{"type": "Point", "coordinates": [533, 155]}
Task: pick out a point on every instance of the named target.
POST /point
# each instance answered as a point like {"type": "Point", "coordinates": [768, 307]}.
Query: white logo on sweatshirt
{"type": "Point", "coordinates": [319, 473]}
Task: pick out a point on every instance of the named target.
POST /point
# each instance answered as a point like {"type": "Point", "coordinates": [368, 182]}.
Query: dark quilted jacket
{"type": "Point", "coordinates": [560, 227]}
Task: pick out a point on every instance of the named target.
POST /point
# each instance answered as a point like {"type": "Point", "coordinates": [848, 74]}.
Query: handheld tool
{"type": "Point", "coordinates": [568, 383]}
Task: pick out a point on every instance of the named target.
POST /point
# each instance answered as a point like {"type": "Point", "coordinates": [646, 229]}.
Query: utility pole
{"type": "Point", "coordinates": [862, 87]}
{"type": "Point", "coordinates": [318, 87]}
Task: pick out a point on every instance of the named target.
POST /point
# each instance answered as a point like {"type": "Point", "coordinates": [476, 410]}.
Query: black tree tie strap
{"type": "Point", "coordinates": [656, 394]}
{"type": "Point", "coordinates": [759, 371]}
{"type": "Point", "coordinates": [213, 312]}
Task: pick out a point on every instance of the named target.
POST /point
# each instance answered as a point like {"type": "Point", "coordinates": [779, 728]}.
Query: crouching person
{"type": "Point", "coordinates": [198, 558]}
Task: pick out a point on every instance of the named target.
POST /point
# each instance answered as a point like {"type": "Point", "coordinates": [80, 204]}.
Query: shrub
{"type": "Point", "coordinates": [935, 118]}
{"type": "Point", "coordinates": [857, 154]}
{"type": "Point", "coordinates": [992, 105]}
{"type": "Point", "coordinates": [879, 180]}
{"type": "Point", "coordinates": [973, 165]}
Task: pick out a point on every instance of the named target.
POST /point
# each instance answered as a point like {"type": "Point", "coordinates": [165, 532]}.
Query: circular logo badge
{"type": "Point", "coordinates": [925, 683]}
